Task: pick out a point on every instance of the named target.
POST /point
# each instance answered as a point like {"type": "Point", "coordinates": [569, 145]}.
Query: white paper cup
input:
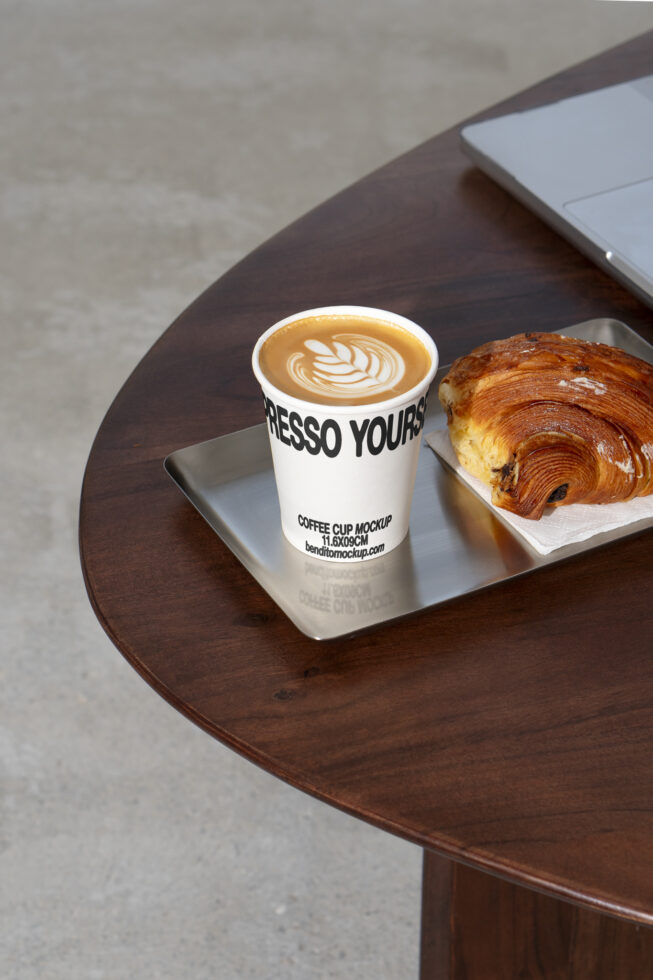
{"type": "Point", "coordinates": [345, 473]}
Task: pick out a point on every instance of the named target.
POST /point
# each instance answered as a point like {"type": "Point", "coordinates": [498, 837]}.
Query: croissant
{"type": "Point", "coordinates": [547, 420]}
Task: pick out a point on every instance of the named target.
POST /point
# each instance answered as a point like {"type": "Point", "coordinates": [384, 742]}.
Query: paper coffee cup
{"type": "Point", "coordinates": [345, 473]}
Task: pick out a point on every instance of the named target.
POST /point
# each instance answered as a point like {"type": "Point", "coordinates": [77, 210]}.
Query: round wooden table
{"type": "Point", "coordinates": [509, 733]}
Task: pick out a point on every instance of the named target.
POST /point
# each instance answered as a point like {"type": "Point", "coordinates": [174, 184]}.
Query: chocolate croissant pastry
{"type": "Point", "coordinates": [549, 420]}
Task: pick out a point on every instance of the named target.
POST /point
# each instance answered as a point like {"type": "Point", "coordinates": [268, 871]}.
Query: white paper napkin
{"type": "Point", "coordinates": [559, 526]}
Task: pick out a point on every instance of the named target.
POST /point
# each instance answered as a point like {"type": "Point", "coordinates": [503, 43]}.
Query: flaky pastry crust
{"type": "Point", "coordinates": [547, 420]}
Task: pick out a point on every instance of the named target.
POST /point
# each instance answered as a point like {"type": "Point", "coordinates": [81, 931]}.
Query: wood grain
{"type": "Point", "coordinates": [511, 729]}
{"type": "Point", "coordinates": [478, 927]}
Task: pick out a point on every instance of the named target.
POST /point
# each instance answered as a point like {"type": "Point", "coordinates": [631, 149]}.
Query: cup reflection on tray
{"type": "Point", "coordinates": [359, 594]}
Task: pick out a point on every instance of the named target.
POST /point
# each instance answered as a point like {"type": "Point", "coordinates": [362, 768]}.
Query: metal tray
{"type": "Point", "coordinates": [456, 544]}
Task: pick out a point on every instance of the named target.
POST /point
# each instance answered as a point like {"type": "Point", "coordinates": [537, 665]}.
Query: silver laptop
{"type": "Point", "coordinates": [585, 165]}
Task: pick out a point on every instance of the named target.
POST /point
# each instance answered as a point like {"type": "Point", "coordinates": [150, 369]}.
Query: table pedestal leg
{"type": "Point", "coordinates": [477, 927]}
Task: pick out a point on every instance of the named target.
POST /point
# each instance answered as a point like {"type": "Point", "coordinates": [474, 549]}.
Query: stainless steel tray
{"type": "Point", "coordinates": [456, 544]}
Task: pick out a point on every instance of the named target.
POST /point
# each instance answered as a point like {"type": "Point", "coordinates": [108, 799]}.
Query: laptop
{"type": "Point", "coordinates": [584, 165]}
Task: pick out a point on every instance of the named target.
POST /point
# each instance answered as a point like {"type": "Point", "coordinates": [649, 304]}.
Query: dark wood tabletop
{"type": "Point", "coordinates": [510, 730]}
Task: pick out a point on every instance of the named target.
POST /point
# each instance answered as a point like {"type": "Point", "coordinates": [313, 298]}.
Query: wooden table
{"type": "Point", "coordinates": [508, 733]}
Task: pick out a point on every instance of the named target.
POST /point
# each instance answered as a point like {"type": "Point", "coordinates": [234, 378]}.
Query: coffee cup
{"type": "Point", "coordinates": [344, 391]}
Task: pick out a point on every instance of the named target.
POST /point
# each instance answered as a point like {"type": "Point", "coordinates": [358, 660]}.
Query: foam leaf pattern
{"type": "Point", "coordinates": [351, 365]}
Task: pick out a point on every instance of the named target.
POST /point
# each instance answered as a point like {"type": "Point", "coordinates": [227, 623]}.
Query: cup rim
{"type": "Point", "coordinates": [340, 409]}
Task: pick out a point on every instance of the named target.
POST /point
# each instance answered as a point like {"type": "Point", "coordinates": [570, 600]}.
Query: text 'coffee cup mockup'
{"type": "Point", "coordinates": [345, 393]}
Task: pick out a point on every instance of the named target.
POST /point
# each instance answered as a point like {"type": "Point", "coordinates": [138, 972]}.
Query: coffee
{"type": "Point", "coordinates": [345, 390]}
{"type": "Point", "coordinates": [343, 359]}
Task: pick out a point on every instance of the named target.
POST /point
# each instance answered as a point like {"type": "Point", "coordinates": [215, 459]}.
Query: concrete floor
{"type": "Point", "coordinates": [146, 146]}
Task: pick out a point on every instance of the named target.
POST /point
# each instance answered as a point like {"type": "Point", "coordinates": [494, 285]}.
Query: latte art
{"type": "Point", "coordinates": [344, 391]}
{"type": "Point", "coordinates": [351, 365]}
{"type": "Point", "coordinates": [344, 359]}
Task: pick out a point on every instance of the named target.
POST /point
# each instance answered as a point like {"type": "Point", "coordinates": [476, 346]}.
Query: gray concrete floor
{"type": "Point", "coordinates": [146, 146]}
